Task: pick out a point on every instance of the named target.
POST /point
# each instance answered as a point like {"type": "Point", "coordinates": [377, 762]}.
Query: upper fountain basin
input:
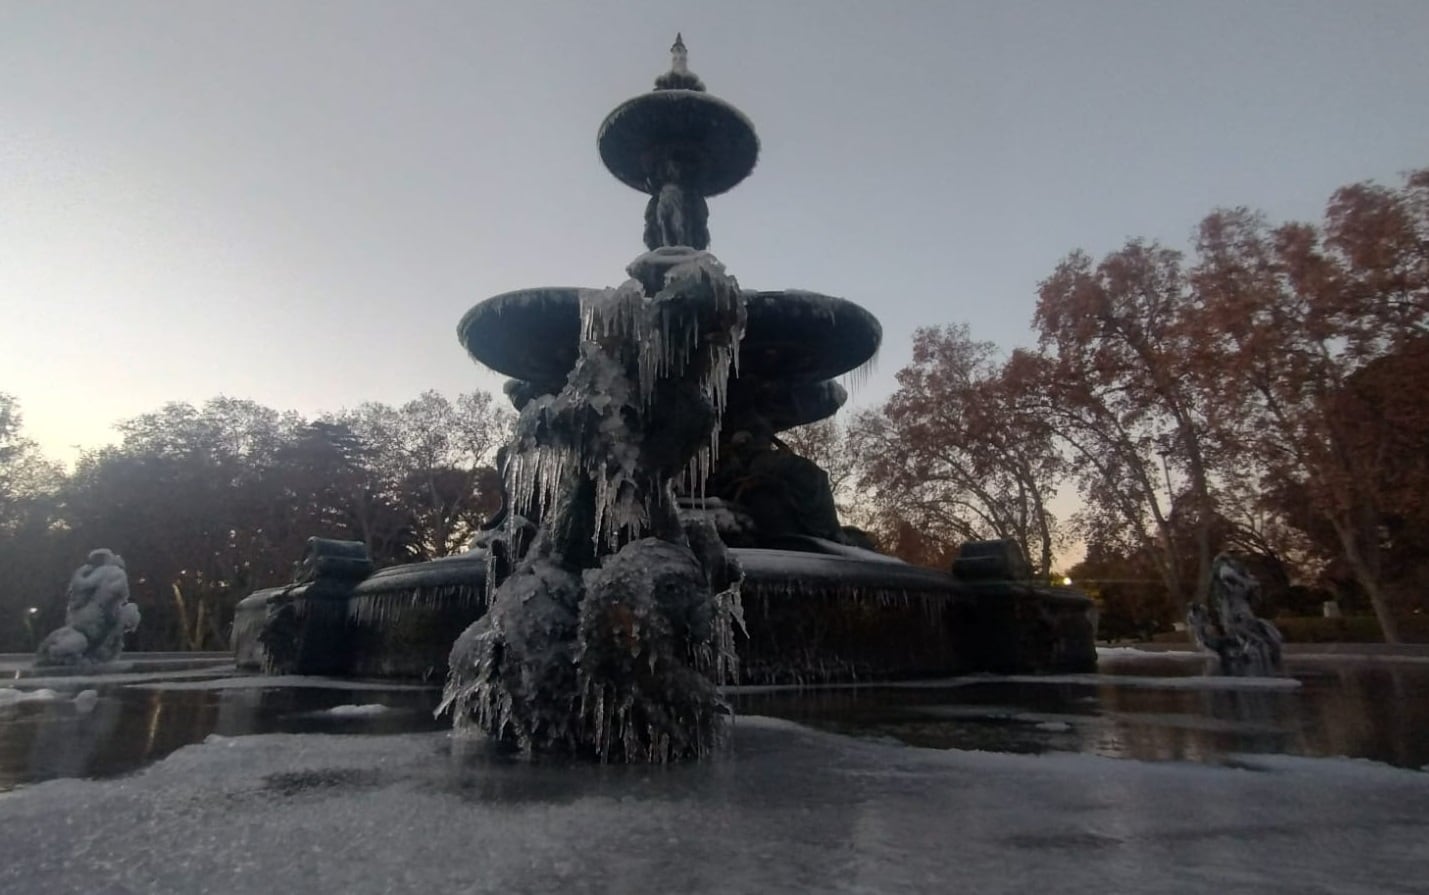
{"type": "Point", "coordinates": [711, 142]}
{"type": "Point", "coordinates": [794, 336]}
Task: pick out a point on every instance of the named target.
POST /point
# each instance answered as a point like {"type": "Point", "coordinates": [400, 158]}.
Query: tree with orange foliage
{"type": "Point", "coordinates": [954, 456]}
{"type": "Point", "coordinates": [1315, 338]}
{"type": "Point", "coordinates": [1114, 376]}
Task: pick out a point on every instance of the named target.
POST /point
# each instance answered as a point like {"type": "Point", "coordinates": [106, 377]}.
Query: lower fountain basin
{"type": "Point", "coordinates": [810, 617]}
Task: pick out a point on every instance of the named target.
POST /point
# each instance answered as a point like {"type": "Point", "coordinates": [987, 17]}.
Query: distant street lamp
{"type": "Point", "coordinates": [1066, 581]}
{"type": "Point", "coordinates": [30, 616]}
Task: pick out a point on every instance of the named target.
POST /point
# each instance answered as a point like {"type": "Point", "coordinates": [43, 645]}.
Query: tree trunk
{"type": "Point", "coordinates": [1369, 580]}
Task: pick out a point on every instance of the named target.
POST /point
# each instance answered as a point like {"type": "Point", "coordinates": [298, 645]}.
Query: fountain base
{"type": "Point", "coordinates": [811, 617]}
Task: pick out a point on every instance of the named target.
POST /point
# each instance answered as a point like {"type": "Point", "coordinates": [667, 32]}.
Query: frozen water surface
{"type": "Point", "coordinates": [788, 809]}
{"type": "Point", "coordinates": [987, 784]}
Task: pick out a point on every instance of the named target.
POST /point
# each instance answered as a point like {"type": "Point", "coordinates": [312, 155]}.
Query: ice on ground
{"type": "Point", "coordinates": [788, 810]}
{"type": "Point", "coordinates": [268, 682]}
{"type": "Point", "coordinates": [12, 696]}
{"type": "Point", "coordinates": [357, 711]}
{"type": "Point", "coordinates": [1060, 722]}
{"type": "Point", "coordinates": [1131, 652]}
{"type": "Point", "coordinates": [102, 677]}
{"type": "Point", "coordinates": [1363, 658]}
{"type": "Point", "coordinates": [1184, 682]}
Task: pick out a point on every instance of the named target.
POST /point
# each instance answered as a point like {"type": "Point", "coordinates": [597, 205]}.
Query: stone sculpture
{"type": "Point", "coordinates": [610, 634]}
{"type": "Point", "coordinates": [1245, 646]}
{"type": "Point", "coordinates": [307, 637]}
{"type": "Point", "coordinates": [97, 617]}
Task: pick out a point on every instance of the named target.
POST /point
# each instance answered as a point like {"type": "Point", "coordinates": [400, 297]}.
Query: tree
{"type": "Point", "coordinates": [1299, 321]}
{"type": "Point", "coordinates": [434, 458]}
{"type": "Point", "coordinates": [829, 445]}
{"type": "Point", "coordinates": [30, 542]}
{"type": "Point", "coordinates": [190, 499]}
{"type": "Point", "coordinates": [208, 503]}
{"type": "Point", "coordinates": [26, 477]}
{"type": "Point", "coordinates": [956, 453]}
{"type": "Point", "coordinates": [1117, 378]}
{"type": "Point", "coordinates": [1131, 596]}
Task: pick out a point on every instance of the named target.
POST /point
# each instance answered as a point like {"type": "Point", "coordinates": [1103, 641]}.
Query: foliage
{"type": "Point", "coordinates": [1115, 376]}
{"type": "Point", "coordinates": [26, 477]}
{"type": "Point", "coordinates": [954, 456]}
{"type": "Point", "coordinates": [209, 503]}
{"type": "Point", "coordinates": [1317, 339]}
{"type": "Point", "coordinates": [1349, 629]}
{"type": "Point", "coordinates": [827, 443]}
{"type": "Point", "coordinates": [1267, 394]}
{"type": "Point", "coordinates": [1132, 600]}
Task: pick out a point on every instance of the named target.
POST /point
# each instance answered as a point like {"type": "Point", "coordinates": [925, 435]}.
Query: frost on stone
{"type": "Point", "coordinates": [610, 632]}
{"type": "Point", "coordinates": [97, 616]}
{"type": "Point", "coordinates": [1244, 644]}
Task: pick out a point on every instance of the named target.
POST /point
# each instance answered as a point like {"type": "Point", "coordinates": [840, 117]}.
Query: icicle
{"type": "Point", "coordinates": [859, 376]}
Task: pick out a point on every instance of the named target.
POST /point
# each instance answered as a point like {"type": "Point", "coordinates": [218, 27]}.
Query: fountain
{"type": "Point", "coordinates": [649, 499]}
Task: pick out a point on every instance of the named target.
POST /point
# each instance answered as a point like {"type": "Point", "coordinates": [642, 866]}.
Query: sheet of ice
{"type": "Point", "coordinates": [268, 682]}
{"type": "Point", "coordinates": [788, 810]}
{"type": "Point", "coordinates": [1181, 682]}
{"type": "Point", "coordinates": [357, 711]}
{"type": "Point", "coordinates": [1131, 652]}
{"type": "Point", "coordinates": [1295, 653]}
{"type": "Point", "coordinates": [1365, 658]}
{"type": "Point", "coordinates": [1061, 722]}
{"type": "Point", "coordinates": [100, 677]}
{"type": "Point", "coordinates": [13, 696]}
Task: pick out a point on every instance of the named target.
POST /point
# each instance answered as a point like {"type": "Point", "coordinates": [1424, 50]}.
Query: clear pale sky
{"type": "Point", "coordinates": [295, 202]}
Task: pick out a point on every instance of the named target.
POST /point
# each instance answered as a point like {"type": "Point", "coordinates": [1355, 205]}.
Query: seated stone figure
{"type": "Point", "coordinates": [784, 493]}
{"type": "Point", "coordinates": [98, 615]}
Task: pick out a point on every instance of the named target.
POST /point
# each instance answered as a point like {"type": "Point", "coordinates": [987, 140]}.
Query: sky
{"type": "Point", "coordinates": [295, 202]}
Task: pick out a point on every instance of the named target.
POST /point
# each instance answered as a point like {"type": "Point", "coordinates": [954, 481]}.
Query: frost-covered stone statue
{"type": "Point", "coordinates": [610, 624]}
{"type": "Point", "coordinates": [1245, 645]}
{"type": "Point", "coordinates": [98, 615]}
{"type": "Point", "coordinates": [610, 631]}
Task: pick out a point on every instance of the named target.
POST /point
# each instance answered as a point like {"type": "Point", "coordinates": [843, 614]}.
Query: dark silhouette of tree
{"type": "Point", "coordinates": [433, 457]}
{"type": "Point", "coordinates": [208, 503]}
{"type": "Point", "coordinates": [29, 536]}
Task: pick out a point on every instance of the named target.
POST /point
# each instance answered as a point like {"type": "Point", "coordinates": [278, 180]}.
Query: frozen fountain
{"type": "Point", "coordinates": [649, 497]}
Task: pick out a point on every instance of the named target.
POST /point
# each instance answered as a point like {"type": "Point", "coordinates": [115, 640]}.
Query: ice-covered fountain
{"type": "Point", "coordinates": [648, 496]}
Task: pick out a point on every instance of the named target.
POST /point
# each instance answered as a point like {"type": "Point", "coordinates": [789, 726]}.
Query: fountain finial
{"type": "Point", "coordinates": [679, 56]}
{"type": "Point", "coordinates": [679, 77]}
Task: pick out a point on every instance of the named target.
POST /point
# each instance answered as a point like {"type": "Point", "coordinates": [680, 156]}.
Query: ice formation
{"type": "Point", "coordinates": [97, 617]}
{"type": "Point", "coordinates": [610, 630]}
{"type": "Point", "coordinates": [1244, 644]}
